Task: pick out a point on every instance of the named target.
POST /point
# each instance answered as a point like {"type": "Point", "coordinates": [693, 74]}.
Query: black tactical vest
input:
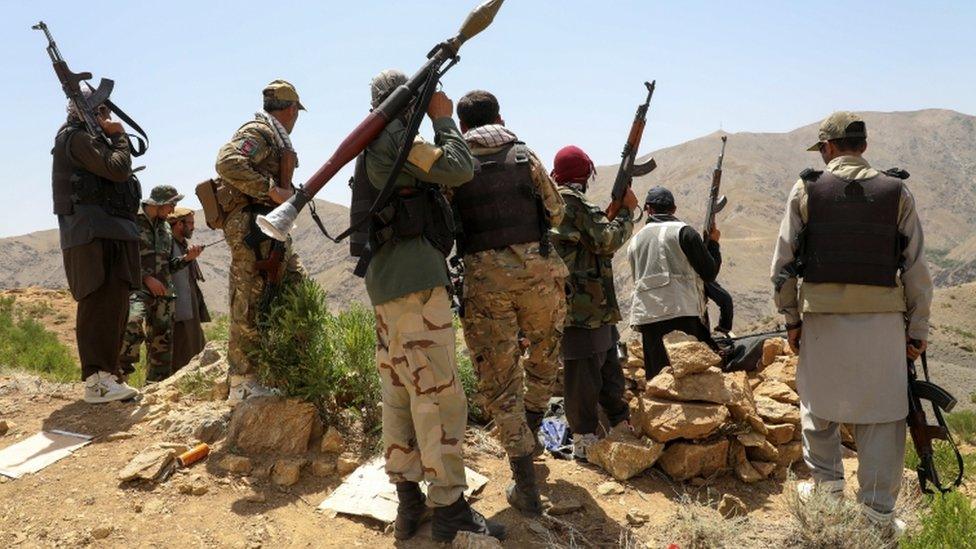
{"type": "Point", "coordinates": [500, 206]}
{"type": "Point", "coordinates": [851, 236]}
{"type": "Point", "coordinates": [72, 184]}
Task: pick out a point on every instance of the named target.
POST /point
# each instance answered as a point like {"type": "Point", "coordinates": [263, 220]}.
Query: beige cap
{"type": "Point", "coordinates": [178, 213]}
{"type": "Point", "coordinates": [283, 91]}
{"type": "Point", "coordinates": [838, 126]}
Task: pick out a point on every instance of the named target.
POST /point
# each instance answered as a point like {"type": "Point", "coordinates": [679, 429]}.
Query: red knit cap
{"type": "Point", "coordinates": [572, 165]}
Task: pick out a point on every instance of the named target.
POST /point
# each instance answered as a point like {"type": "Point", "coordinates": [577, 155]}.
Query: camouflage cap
{"type": "Point", "coordinates": [178, 213]}
{"type": "Point", "coordinates": [838, 126]}
{"type": "Point", "coordinates": [383, 84]}
{"type": "Point", "coordinates": [282, 90]}
{"type": "Point", "coordinates": [162, 195]}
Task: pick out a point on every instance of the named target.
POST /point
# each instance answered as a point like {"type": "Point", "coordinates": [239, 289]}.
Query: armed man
{"type": "Point", "coordinates": [514, 284]}
{"type": "Point", "coordinates": [151, 308]}
{"type": "Point", "coordinates": [670, 265]}
{"type": "Point", "coordinates": [255, 170]}
{"type": "Point", "coordinates": [851, 233]}
{"type": "Point", "coordinates": [190, 310]}
{"type": "Point", "coordinates": [96, 197]}
{"type": "Point", "coordinates": [586, 240]}
{"type": "Point", "coordinates": [424, 407]}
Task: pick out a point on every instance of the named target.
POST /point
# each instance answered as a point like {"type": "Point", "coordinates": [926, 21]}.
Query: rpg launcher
{"type": "Point", "coordinates": [87, 106]}
{"type": "Point", "coordinates": [716, 202]}
{"type": "Point", "coordinates": [416, 91]}
{"type": "Point", "coordinates": [628, 168]}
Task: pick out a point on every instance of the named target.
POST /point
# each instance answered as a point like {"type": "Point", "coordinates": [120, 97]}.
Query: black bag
{"type": "Point", "coordinates": [741, 354]}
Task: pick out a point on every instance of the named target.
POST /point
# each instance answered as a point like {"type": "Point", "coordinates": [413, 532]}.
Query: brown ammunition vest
{"type": "Point", "coordinates": [851, 236]}
{"type": "Point", "coordinates": [500, 206]}
{"type": "Point", "coordinates": [71, 184]}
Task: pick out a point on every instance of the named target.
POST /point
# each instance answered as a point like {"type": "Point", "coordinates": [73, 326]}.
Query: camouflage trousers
{"type": "Point", "coordinates": [246, 291]}
{"type": "Point", "coordinates": [150, 321]}
{"type": "Point", "coordinates": [510, 381]}
{"type": "Point", "coordinates": [424, 407]}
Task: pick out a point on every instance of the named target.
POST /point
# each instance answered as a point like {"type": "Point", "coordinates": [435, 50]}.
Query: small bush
{"type": "Point", "coordinates": [696, 525]}
{"type": "Point", "coordinates": [217, 329]}
{"type": "Point", "coordinates": [326, 359]}
{"type": "Point", "coordinates": [822, 521]}
{"type": "Point", "coordinates": [949, 521]}
{"type": "Point", "coordinates": [26, 344]}
{"type": "Point", "coordinates": [962, 425]}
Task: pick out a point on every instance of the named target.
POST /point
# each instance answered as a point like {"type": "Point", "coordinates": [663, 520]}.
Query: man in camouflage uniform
{"type": "Point", "coordinates": [513, 284]}
{"type": "Point", "coordinates": [424, 407]}
{"type": "Point", "coordinates": [586, 240]}
{"type": "Point", "coordinates": [151, 308]}
{"type": "Point", "coordinates": [250, 171]}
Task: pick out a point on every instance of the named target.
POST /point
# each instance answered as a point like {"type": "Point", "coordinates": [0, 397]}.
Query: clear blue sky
{"type": "Point", "coordinates": [565, 72]}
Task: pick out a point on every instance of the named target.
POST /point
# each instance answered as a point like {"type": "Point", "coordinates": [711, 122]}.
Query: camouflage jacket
{"type": "Point", "coordinates": [248, 166]}
{"type": "Point", "coordinates": [586, 240]}
{"type": "Point", "coordinates": [156, 251]}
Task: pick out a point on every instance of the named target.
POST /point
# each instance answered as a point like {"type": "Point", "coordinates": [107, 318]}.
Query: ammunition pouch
{"type": "Point", "coordinates": [117, 199]}
{"type": "Point", "coordinates": [422, 212]}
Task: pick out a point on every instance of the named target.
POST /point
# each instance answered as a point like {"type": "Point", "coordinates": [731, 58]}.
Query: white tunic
{"type": "Point", "coordinates": [853, 366]}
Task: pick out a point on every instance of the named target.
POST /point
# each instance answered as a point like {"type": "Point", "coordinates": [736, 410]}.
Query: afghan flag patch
{"type": "Point", "coordinates": [248, 147]}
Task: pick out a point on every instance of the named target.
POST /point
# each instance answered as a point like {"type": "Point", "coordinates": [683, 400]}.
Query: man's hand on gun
{"type": "Point", "coordinates": [440, 106]}
{"type": "Point", "coordinates": [915, 348]}
{"type": "Point", "coordinates": [193, 252]}
{"type": "Point", "coordinates": [279, 195]}
{"type": "Point", "coordinates": [109, 126]}
{"type": "Point", "coordinates": [154, 286]}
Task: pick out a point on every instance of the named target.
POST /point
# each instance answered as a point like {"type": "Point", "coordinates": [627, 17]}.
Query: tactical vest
{"type": "Point", "coordinates": [851, 235]}
{"type": "Point", "coordinates": [666, 284]}
{"type": "Point", "coordinates": [73, 185]}
{"type": "Point", "coordinates": [500, 206]}
{"type": "Point", "coordinates": [410, 213]}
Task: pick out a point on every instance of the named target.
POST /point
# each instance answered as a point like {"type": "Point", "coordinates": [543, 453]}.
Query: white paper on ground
{"type": "Point", "coordinates": [368, 492]}
{"type": "Point", "coordinates": [37, 452]}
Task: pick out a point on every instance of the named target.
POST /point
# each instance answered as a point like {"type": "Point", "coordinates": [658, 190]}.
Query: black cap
{"type": "Point", "coordinates": [659, 197]}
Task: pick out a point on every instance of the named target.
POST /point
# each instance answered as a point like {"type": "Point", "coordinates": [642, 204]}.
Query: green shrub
{"type": "Point", "coordinates": [26, 344]}
{"type": "Point", "coordinates": [322, 358]}
{"type": "Point", "coordinates": [948, 521]}
{"type": "Point", "coordinates": [217, 329]}
{"type": "Point", "coordinates": [962, 425]}
{"type": "Point", "coordinates": [945, 461]}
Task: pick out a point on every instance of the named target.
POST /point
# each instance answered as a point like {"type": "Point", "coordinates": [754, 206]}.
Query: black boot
{"type": "Point", "coordinates": [523, 493]}
{"type": "Point", "coordinates": [460, 517]}
{"type": "Point", "coordinates": [534, 419]}
{"type": "Point", "coordinates": [411, 510]}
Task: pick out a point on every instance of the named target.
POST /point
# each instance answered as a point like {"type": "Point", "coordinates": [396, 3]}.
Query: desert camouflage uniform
{"type": "Point", "coordinates": [248, 168]}
{"type": "Point", "coordinates": [510, 291]}
{"type": "Point", "coordinates": [151, 317]}
{"type": "Point", "coordinates": [424, 407]}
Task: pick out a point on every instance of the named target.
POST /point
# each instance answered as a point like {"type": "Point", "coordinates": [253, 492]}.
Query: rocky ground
{"type": "Point", "coordinates": [273, 462]}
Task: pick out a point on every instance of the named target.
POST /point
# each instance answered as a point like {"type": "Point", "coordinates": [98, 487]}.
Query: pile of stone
{"type": "Point", "coordinates": [695, 421]}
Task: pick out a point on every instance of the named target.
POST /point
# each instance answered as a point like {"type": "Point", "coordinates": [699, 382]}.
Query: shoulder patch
{"type": "Point", "coordinates": [248, 146]}
{"type": "Point", "coordinates": [424, 155]}
{"type": "Point", "coordinates": [896, 172]}
{"type": "Point", "coordinates": [810, 174]}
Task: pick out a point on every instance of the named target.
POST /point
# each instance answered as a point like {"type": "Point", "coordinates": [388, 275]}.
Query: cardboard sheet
{"type": "Point", "coordinates": [37, 452]}
{"type": "Point", "coordinates": [368, 492]}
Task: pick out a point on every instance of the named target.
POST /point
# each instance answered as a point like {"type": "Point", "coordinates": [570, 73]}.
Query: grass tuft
{"type": "Point", "coordinates": [25, 344]}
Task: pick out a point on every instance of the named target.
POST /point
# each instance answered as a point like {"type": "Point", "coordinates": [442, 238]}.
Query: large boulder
{"type": "Point", "coordinates": [773, 348]}
{"type": "Point", "coordinates": [777, 412]}
{"type": "Point", "coordinates": [777, 390]}
{"type": "Point", "coordinates": [277, 425]}
{"type": "Point", "coordinates": [710, 386]}
{"type": "Point", "coordinates": [692, 357]}
{"type": "Point", "coordinates": [664, 420]}
{"type": "Point", "coordinates": [685, 460]}
{"type": "Point", "coordinates": [624, 455]}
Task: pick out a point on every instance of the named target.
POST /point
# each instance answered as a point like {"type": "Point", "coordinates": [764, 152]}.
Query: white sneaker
{"type": "Point", "coordinates": [581, 443]}
{"type": "Point", "coordinates": [102, 387]}
{"type": "Point", "coordinates": [832, 488]}
{"type": "Point", "coordinates": [245, 387]}
{"type": "Point", "coordinates": [889, 525]}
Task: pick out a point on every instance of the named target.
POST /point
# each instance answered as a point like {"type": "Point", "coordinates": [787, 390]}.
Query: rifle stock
{"type": "Point", "coordinates": [923, 433]}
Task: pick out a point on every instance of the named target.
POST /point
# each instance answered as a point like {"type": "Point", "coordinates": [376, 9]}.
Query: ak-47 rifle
{"type": "Point", "coordinates": [716, 203]}
{"type": "Point", "coordinates": [629, 169]}
{"type": "Point", "coordinates": [86, 106]}
{"type": "Point", "coordinates": [272, 267]}
{"type": "Point", "coordinates": [417, 91]}
{"type": "Point", "coordinates": [923, 434]}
